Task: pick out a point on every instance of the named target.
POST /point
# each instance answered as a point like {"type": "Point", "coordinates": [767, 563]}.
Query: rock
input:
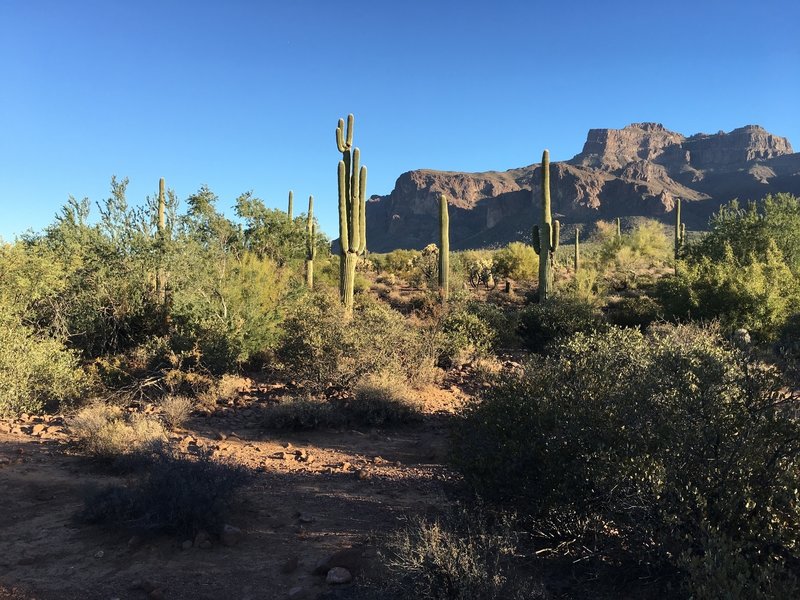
{"type": "Point", "coordinates": [305, 518]}
{"type": "Point", "coordinates": [221, 436]}
{"type": "Point", "coordinates": [338, 575]}
{"type": "Point", "coordinates": [99, 554]}
{"type": "Point", "coordinates": [156, 594]}
{"type": "Point", "coordinates": [278, 455]}
{"type": "Point", "coordinates": [205, 545]}
{"type": "Point", "coordinates": [362, 474]}
{"type": "Point", "coordinates": [39, 429]}
{"type": "Point", "coordinates": [296, 592]}
{"type": "Point", "coordinates": [638, 170]}
{"type": "Point", "coordinates": [200, 537]}
{"type": "Point", "coordinates": [231, 535]}
{"type": "Point", "coordinates": [350, 559]}
{"type": "Point", "coordinates": [741, 337]}
{"type": "Point", "coordinates": [186, 545]}
{"type": "Point", "coordinates": [290, 566]}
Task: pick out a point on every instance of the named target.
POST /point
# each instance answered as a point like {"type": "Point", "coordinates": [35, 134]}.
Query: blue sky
{"type": "Point", "coordinates": [245, 95]}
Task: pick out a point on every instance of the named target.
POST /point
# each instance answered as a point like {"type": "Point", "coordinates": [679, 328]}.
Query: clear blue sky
{"type": "Point", "coordinates": [245, 95]}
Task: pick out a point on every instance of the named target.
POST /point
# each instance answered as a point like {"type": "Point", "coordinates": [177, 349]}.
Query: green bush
{"type": "Point", "coordinates": [655, 438]}
{"type": "Point", "coordinates": [35, 371]}
{"type": "Point", "coordinates": [758, 295]}
{"type": "Point", "coordinates": [320, 348]}
{"type": "Point", "coordinates": [516, 261]}
{"type": "Point", "coordinates": [464, 335]}
{"type": "Point", "coordinates": [561, 316]}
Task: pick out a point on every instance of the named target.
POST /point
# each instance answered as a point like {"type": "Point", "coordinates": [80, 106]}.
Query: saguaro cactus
{"type": "Point", "coordinates": [546, 235]}
{"type": "Point", "coordinates": [444, 248]}
{"type": "Point", "coordinates": [577, 258]}
{"type": "Point", "coordinates": [161, 282]}
{"type": "Point", "coordinates": [352, 210]}
{"type": "Point", "coordinates": [291, 205]}
{"type": "Point", "coordinates": [680, 231]}
{"type": "Point", "coordinates": [311, 244]}
{"type": "Point", "coordinates": [619, 228]}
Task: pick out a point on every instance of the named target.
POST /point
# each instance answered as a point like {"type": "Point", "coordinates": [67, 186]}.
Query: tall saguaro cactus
{"type": "Point", "coordinates": [291, 205]}
{"type": "Point", "coordinates": [680, 231]}
{"type": "Point", "coordinates": [577, 258]}
{"type": "Point", "coordinates": [311, 244]}
{"type": "Point", "coordinates": [619, 228]}
{"type": "Point", "coordinates": [444, 248]}
{"type": "Point", "coordinates": [352, 210]}
{"type": "Point", "coordinates": [546, 235]}
{"type": "Point", "coordinates": [161, 283]}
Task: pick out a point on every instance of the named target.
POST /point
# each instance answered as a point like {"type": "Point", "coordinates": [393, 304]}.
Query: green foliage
{"type": "Point", "coordinates": [758, 295]}
{"type": "Point", "coordinates": [751, 232]}
{"type": "Point", "coordinates": [35, 371]}
{"type": "Point", "coordinates": [646, 245]}
{"type": "Point", "coordinates": [465, 335]}
{"type": "Point", "coordinates": [516, 261]}
{"type": "Point", "coordinates": [559, 317]}
{"type": "Point", "coordinates": [657, 439]}
{"type": "Point", "coordinates": [320, 348]}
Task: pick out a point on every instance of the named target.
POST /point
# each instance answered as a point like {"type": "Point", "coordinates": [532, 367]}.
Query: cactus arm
{"type": "Point", "coordinates": [556, 235]}
{"type": "Point", "coordinates": [536, 240]}
{"type": "Point", "coordinates": [362, 207]}
{"type": "Point", "coordinates": [343, 237]}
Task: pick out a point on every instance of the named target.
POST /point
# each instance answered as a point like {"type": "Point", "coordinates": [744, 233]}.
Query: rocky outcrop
{"type": "Point", "coordinates": [639, 170]}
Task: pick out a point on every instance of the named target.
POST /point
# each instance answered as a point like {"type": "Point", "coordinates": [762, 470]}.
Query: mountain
{"type": "Point", "coordinates": [639, 170]}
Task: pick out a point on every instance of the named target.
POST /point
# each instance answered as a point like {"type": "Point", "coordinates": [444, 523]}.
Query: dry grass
{"type": "Point", "coordinates": [107, 432]}
{"type": "Point", "coordinates": [177, 410]}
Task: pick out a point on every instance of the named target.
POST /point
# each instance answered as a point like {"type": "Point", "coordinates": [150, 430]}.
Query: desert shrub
{"type": "Point", "coordinates": [177, 410]}
{"type": "Point", "coordinates": [321, 348]}
{"type": "Point", "coordinates": [758, 295]}
{"type": "Point", "coordinates": [659, 438]}
{"type": "Point", "coordinates": [464, 334]}
{"type": "Point", "coordinates": [752, 231]}
{"type": "Point", "coordinates": [107, 432]}
{"type": "Point", "coordinates": [586, 284]}
{"type": "Point", "coordinates": [561, 316]}
{"type": "Point", "coordinates": [516, 261]}
{"type": "Point", "coordinates": [301, 414]}
{"type": "Point", "coordinates": [383, 399]}
{"type": "Point", "coordinates": [35, 371]}
{"type": "Point", "coordinates": [502, 322]}
{"type": "Point", "coordinates": [464, 555]}
{"type": "Point", "coordinates": [425, 270]}
{"type": "Point", "coordinates": [170, 494]}
{"type": "Point", "coordinates": [398, 262]}
{"type": "Point", "coordinates": [633, 311]}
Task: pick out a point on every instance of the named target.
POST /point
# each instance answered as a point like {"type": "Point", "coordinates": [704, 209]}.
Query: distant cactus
{"type": "Point", "coordinates": [619, 228]}
{"type": "Point", "coordinates": [680, 230]}
{"type": "Point", "coordinates": [291, 205]}
{"type": "Point", "coordinates": [546, 235]}
{"type": "Point", "coordinates": [352, 211]}
{"type": "Point", "coordinates": [311, 244]}
{"type": "Point", "coordinates": [444, 248]}
{"type": "Point", "coordinates": [161, 283]}
{"type": "Point", "coordinates": [577, 258]}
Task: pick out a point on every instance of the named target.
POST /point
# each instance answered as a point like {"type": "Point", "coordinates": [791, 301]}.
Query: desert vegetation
{"type": "Point", "coordinates": [617, 401]}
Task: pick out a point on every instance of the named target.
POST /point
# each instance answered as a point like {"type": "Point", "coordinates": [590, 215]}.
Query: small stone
{"type": "Point", "coordinates": [378, 460]}
{"type": "Point", "coordinates": [290, 566]}
{"type": "Point", "coordinates": [221, 436]}
{"type": "Point", "coordinates": [278, 455]}
{"type": "Point", "coordinates": [231, 535]}
{"type": "Point", "coordinates": [39, 429]}
{"type": "Point", "coordinates": [296, 592]}
{"type": "Point", "coordinates": [156, 594]}
{"type": "Point", "coordinates": [135, 542]}
{"type": "Point", "coordinates": [99, 554]}
{"type": "Point", "coordinates": [186, 545]}
{"type": "Point", "coordinates": [362, 474]}
{"type": "Point", "coordinates": [338, 575]}
{"type": "Point", "coordinates": [305, 518]}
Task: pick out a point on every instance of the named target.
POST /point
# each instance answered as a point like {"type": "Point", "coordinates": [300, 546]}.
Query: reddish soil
{"type": "Point", "coordinates": [358, 483]}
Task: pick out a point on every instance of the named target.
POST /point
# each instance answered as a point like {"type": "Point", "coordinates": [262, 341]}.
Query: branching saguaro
{"type": "Point", "coordinates": [311, 244]}
{"type": "Point", "coordinates": [352, 210]}
{"type": "Point", "coordinates": [546, 235]}
{"type": "Point", "coordinates": [444, 248]}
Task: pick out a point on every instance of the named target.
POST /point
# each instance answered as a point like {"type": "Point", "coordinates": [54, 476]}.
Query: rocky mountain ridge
{"type": "Point", "coordinates": [639, 170]}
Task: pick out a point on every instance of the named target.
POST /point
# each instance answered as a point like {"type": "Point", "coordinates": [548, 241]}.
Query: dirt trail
{"type": "Point", "coordinates": [354, 484]}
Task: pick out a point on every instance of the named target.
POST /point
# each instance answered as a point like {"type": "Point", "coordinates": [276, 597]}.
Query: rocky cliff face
{"type": "Point", "coordinates": [639, 170]}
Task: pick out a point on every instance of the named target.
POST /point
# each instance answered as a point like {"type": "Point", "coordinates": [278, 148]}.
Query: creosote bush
{"type": "Point", "coordinates": [320, 348]}
{"type": "Point", "coordinates": [559, 317]}
{"type": "Point", "coordinates": [673, 440]}
{"type": "Point", "coordinates": [171, 494]}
